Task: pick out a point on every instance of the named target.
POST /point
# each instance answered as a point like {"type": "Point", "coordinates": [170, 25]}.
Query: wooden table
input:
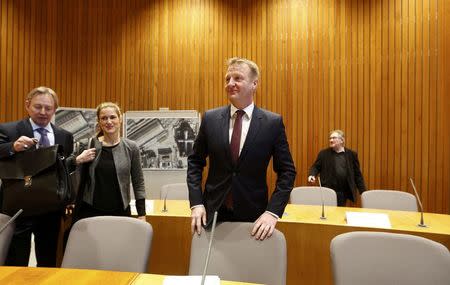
{"type": "Point", "coordinates": [57, 276]}
{"type": "Point", "coordinates": [308, 237]}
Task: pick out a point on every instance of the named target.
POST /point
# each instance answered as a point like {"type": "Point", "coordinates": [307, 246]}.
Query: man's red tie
{"type": "Point", "coordinates": [236, 136]}
{"type": "Point", "coordinates": [234, 148]}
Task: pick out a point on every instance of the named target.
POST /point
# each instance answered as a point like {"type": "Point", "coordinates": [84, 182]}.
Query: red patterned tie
{"type": "Point", "coordinates": [236, 136]}
{"type": "Point", "coordinates": [234, 148]}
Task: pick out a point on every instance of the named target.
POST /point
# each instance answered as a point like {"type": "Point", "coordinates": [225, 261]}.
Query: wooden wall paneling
{"type": "Point", "coordinates": [106, 43]}
{"type": "Point", "coordinates": [365, 151]}
{"type": "Point", "coordinates": [206, 62]}
{"type": "Point", "coordinates": [361, 131]}
{"type": "Point", "coordinates": [418, 110]}
{"type": "Point", "coordinates": [331, 80]}
{"type": "Point", "coordinates": [302, 108]}
{"type": "Point", "coordinates": [19, 57]}
{"type": "Point", "coordinates": [443, 119]}
{"type": "Point", "coordinates": [65, 99]}
{"type": "Point", "coordinates": [390, 94]}
{"type": "Point", "coordinates": [384, 118]}
{"type": "Point", "coordinates": [15, 58]}
{"type": "Point", "coordinates": [324, 67]}
{"type": "Point", "coordinates": [404, 101]}
{"type": "Point", "coordinates": [294, 58]}
{"type": "Point", "coordinates": [397, 96]}
{"type": "Point", "coordinates": [345, 108]}
{"type": "Point", "coordinates": [426, 191]}
{"type": "Point", "coordinates": [411, 93]}
{"type": "Point", "coordinates": [52, 38]}
{"type": "Point", "coordinates": [376, 69]}
{"type": "Point", "coordinates": [9, 59]}
{"type": "Point", "coordinates": [372, 87]}
{"type": "Point", "coordinates": [153, 51]}
{"type": "Point", "coordinates": [377, 116]}
{"type": "Point", "coordinates": [432, 77]}
{"type": "Point", "coordinates": [3, 53]}
{"type": "Point", "coordinates": [418, 115]}
{"type": "Point", "coordinates": [312, 80]}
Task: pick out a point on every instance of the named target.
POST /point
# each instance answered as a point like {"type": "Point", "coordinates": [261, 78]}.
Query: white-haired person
{"type": "Point", "coordinates": [339, 169]}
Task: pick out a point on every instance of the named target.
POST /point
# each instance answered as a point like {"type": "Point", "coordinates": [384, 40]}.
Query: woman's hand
{"type": "Point", "coordinates": [86, 156]}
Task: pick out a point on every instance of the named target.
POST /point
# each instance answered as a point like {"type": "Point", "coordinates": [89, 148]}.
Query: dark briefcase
{"type": "Point", "coordinates": [36, 181]}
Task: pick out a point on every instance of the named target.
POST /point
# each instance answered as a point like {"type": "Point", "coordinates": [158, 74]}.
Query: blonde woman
{"type": "Point", "coordinates": [108, 164]}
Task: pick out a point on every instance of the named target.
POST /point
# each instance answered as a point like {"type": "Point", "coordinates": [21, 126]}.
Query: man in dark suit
{"type": "Point", "coordinates": [239, 140]}
{"type": "Point", "coordinates": [339, 169]}
{"type": "Point", "coordinates": [35, 131]}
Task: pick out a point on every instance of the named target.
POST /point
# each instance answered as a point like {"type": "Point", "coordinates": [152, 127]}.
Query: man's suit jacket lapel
{"type": "Point", "coordinates": [24, 128]}
{"type": "Point", "coordinates": [253, 130]}
{"type": "Point", "coordinates": [224, 125]}
{"type": "Point", "coordinates": [59, 136]}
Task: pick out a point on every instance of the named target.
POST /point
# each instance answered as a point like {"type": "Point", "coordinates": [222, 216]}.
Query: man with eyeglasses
{"type": "Point", "coordinates": [339, 169]}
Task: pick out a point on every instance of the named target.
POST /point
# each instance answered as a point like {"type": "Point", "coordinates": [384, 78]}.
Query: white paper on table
{"type": "Point", "coordinates": [191, 280]}
{"type": "Point", "coordinates": [148, 207]}
{"type": "Point", "coordinates": [372, 220]}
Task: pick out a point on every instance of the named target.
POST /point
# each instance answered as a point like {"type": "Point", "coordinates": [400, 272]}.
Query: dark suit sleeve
{"type": "Point", "coordinates": [359, 180]}
{"type": "Point", "coordinates": [196, 163]}
{"type": "Point", "coordinates": [6, 145]}
{"type": "Point", "coordinates": [284, 166]}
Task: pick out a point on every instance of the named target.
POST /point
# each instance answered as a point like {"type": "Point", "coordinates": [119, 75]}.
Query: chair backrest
{"type": "Point", "coordinates": [311, 195]}
{"type": "Point", "coordinates": [175, 191]}
{"type": "Point", "coordinates": [387, 258]}
{"type": "Point", "coordinates": [236, 255]}
{"type": "Point", "coordinates": [5, 237]}
{"type": "Point", "coordinates": [389, 200]}
{"type": "Point", "coordinates": [109, 243]}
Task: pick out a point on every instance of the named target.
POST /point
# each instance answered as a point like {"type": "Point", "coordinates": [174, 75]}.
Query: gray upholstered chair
{"type": "Point", "coordinates": [175, 191]}
{"type": "Point", "coordinates": [389, 200]}
{"type": "Point", "coordinates": [5, 237]}
{"type": "Point", "coordinates": [236, 255]}
{"type": "Point", "coordinates": [311, 195]}
{"type": "Point", "coordinates": [387, 258]}
{"type": "Point", "coordinates": [109, 243]}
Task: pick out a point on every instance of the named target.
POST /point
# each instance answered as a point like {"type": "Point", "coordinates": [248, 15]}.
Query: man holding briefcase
{"type": "Point", "coordinates": [30, 133]}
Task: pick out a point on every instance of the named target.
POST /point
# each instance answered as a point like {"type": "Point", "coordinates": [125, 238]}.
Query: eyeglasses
{"type": "Point", "coordinates": [335, 138]}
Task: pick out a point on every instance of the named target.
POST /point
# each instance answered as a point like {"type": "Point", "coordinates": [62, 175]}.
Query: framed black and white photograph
{"type": "Point", "coordinates": [165, 138]}
{"type": "Point", "coordinates": [81, 122]}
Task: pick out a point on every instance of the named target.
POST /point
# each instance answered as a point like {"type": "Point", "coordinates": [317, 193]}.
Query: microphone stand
{"type": "Point", "coordinates": [421, 224]}
{"type": "Point", "coordinates": [209, 248]}
{"type": "Point", "coordinates": [322, 217]}
{"type": "Point", "coordinates": [11, 220]}
{"type": "Point", "coordinates": [165, 204]}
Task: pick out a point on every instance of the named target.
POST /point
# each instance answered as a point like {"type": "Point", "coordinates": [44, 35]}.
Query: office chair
{"type": "Point", "coordinates": [386, 258]}
{"type": "Point", "coordinates": [311, 195]}
{"type": "Point", "coordinates": [175, 191]}
{"type": "Point", "coordinates": [5, 237]}
{"type": "Point", "coordinates": [236, 255]}
{"type": "Point", "coordinates": [389, 200]}
{"type": "Point", "coordinates": [109, 243]}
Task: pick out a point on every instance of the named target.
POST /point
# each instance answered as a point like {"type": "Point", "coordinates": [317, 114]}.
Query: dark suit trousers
{"type": "Point", "coordinates": [45, 229]}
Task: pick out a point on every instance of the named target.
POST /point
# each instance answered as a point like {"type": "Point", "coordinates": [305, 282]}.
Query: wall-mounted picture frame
{"type": "Point", "coordinates": [81, 122]}
{"type": "Point", "coordinates": [165, 138]}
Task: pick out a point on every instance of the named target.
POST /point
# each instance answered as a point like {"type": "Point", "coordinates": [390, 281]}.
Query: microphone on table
{"type": "Point", "coordinates": [322, 217]}
{"type": "Point", "coordinates": [10, 220]}
{"type": "Point", "coordinates": [209, 248]}
{"type": "Point", "coordinates": [421, 224]}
